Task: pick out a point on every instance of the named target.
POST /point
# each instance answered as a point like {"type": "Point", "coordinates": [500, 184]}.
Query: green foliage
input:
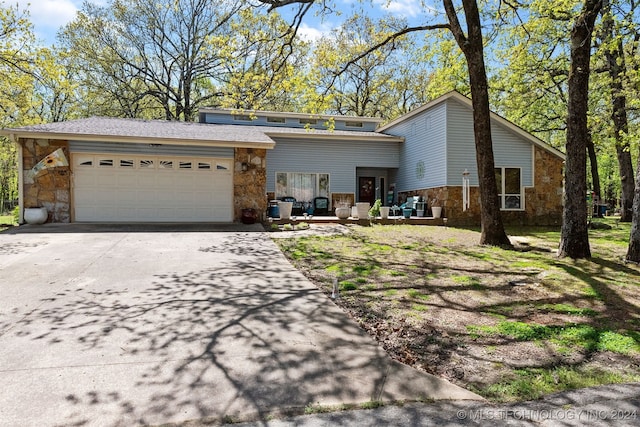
{"type": "Point", "coordinates": [533, 383]}
{"type": "Point", "coordinates": [375, 209]}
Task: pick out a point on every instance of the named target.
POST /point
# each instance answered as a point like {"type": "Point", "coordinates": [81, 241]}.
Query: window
{"type": "Point", "coordinates": [303, 186]}
{"type": "Point", "coordinates": [146, 164]}
{"type": "Point", "coordinates": [353, 124]}
{"type": "Point", "coordinates": [165, 164]}
{"type": "Point", "coordinates": [242, 117]}
{"type": "Point", "coordinates": [223, 166]}
{"type": "Point", "coordinates": [105, 162]}
{"type": "Point", "coordinates": [509, 182]}
{"type": "Point", "coordinates": [275, 120]}
{"type": "Point", "coordinates": [204, 166]}
{"type": "Point", "coordinates": [124, 163]}
{"type": "Point", "coordinates": [185, 165]}
{"type": "Point", "coordinates": [308, 121]}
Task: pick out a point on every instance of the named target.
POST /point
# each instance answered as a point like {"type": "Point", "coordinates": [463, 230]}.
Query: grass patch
{"type": "Point", "coordinates": [439, 297]}
{"type": "Point", "coordinates": [416, 294]}
{"type": "Point", "coordinates": [567, 309]}
{"type": "Point", "coordinates": [533, 383]}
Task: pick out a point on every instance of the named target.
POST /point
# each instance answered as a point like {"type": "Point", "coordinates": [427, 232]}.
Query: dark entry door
{"type": "Point", "coordinates": [367, 189]}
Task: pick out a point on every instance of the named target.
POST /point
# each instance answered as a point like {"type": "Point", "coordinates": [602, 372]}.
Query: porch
{"type": "Point", "coordinates": [319, 220]}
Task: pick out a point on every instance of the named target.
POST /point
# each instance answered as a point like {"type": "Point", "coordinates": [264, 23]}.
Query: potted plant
{"type": "Point", "coordinates": [363, 209]}
{"type": "Point", "coordinates": [436, 209]}
{"type": "Point", "coordinates": [343, 210]}
{"type": "Point", "coordinates": [37, 215]}
{"type": "Point", "coordinates": [374, 212]}
{"type": "Point", "coordinates": [384, 212]}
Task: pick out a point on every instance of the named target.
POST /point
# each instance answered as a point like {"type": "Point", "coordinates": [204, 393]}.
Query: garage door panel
{"type": "Point", "coordinates": [150, 189]}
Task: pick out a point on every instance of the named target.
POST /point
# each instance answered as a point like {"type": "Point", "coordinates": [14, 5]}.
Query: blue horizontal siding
{"type": "Point", "coordinates": [168, 150]}
{"type": "Point", "coordinates": [338, 158]}
{"type": "Point", "coordinates": [290, 122]}
{"type": "Point", "coordinates": [509, 149]}
{"type": "Point", "coordinates": [423, 155]}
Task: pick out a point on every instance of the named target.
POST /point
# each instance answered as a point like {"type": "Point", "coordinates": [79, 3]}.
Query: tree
{"type": "Point", "coordinates": [574, 238]}
{"type": "Point", "coordinates": [615, 65]}
{"type": "Point", "coordinates": [382, 84]}
{"type": "Point", "coordinates": [471, 44]}
{"type": "Point", "coordinates": [16, 87]}
{"type": "Point", "coordinates": [267, 72]}
{"type": "Point", "coordinates": [161, 57]}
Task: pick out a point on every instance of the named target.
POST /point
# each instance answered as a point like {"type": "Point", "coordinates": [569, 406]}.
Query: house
{"type": "Point", "coordinates": [129, 170]}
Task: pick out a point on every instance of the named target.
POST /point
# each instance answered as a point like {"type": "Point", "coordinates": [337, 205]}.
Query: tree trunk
{"type": "Point", "coordinates": [615, 63]}
{"type": "Point", "coordinates": [574, 239]}
{"type": "Point", "coordinates": [633, 253]}
{"type": "Point", "coordinates": [493, 232]}
{"type": "Point", "coordinates": [593, 162]}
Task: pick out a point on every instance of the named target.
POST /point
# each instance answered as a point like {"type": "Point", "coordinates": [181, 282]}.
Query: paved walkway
{"type": "Point", "coordinates": [112, 325]}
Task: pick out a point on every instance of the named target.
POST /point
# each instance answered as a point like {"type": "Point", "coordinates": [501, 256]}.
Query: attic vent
{"type": "Point", "coordinates": [308, 121]}
{"type": "Point", "coordinates": [275, 119]}
{"type": "Point", "coordinates": [353, 124]}
{"type": "Point", "coordinates": [242, 117]}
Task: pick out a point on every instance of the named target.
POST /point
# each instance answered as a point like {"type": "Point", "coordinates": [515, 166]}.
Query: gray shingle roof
{"type": "Point", "coordinates": [118, 129]}
{"type": "Point", "coordinates": [137, 130]}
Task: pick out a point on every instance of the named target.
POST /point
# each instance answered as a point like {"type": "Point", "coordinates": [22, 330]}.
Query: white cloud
{"type": "Point", "coordinates": [51, 13]}
{"type": "Point", "coordinates": [48, 16]}
{"type": "Point", "coordinates": [312, 34]}
{"type": "Point", "coordinates": [404, 8]}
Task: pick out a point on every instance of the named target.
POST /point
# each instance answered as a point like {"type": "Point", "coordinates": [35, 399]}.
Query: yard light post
{"type": "Point", "coordinates": [466, 194]}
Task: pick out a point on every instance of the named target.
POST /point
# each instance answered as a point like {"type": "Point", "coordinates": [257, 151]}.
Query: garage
{"type": "Point", "coordinates": [150, 188]}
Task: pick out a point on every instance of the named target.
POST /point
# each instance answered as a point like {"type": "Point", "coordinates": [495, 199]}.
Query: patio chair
{"type": "Point", "coordinates": [320, 205]}
{"type": "Point", "coordinates": [410, 203]}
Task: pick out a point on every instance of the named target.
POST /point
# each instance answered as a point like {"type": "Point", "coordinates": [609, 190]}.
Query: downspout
{"type": "Point", "coordinates": [13, 139]}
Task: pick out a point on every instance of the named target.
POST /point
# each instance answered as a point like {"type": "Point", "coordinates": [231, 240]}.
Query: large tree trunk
{"type": "Point", "coordinates": [493, 232]}
{"type": "Point", "coordinates": [615, 64]}
{"type": "Point", "coordinates": [593, 162]}
{"type": "Point", "coordinates": [633, 253]}
{"type": "Point", "coordinates": [574, 239]}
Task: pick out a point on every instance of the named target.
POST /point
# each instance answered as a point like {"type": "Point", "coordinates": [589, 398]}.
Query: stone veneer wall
{"type": "Point", "coordinates": [543, 203]}
{"type": "Point", "coordinates": [250, 186]}
{"type": "Point", "coordinates": [51, 188]}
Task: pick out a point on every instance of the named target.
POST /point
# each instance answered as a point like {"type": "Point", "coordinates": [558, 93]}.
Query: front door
{"type": "Point", "coordinates": [367, 189]}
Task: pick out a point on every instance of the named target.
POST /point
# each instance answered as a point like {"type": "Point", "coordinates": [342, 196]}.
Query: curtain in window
{"type": "Point", "coordinates": [303, 186]}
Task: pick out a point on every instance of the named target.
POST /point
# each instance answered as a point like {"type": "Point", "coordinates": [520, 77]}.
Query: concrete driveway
{"type": "Point", "coordinates": [112, 325]}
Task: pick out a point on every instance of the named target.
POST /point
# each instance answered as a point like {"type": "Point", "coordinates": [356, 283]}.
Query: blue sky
{"type": "Point", "coordinates": [48, 16]}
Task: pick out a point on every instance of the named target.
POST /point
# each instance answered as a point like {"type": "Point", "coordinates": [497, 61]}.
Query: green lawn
{"type": "Point", "coordinates": [508, 324]}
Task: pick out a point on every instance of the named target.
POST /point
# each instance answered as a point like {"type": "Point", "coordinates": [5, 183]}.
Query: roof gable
{"type": "Point", "coordinates": [458, 97]}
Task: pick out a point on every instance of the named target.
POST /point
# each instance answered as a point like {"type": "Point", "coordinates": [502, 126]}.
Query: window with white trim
{"type": "Point", "coordinates": [303, 186]}
{"type": "Point", "coordinates": [510, 189]}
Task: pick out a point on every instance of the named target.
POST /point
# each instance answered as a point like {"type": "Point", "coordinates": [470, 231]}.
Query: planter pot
{"type": "Point", "coordinates": [285, 209]}
{"type": "Point", "coordinates": [437, 211]}
{"type": "Point", "coordinates": [384, 212]}
{"type": "Point", "coordinates": [363, 210]}
{"type": "Point", "coordinates": [343, 212]}
{"type": "Point", "coordinates": [35, 215]}
{"type": "Point", "coordinates": [273, 210]}
{"type": "Point", "coordinates": [249, 216]}
{"type": "Point", "coordinates": [406, 212]}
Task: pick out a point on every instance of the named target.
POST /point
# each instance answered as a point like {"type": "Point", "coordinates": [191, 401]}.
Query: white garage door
{"type": "Point", "coordinates": [138, 188]}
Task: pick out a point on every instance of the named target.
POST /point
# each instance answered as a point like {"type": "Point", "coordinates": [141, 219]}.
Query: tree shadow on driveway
{"type": "Point", "coordinates": [245, 335]}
